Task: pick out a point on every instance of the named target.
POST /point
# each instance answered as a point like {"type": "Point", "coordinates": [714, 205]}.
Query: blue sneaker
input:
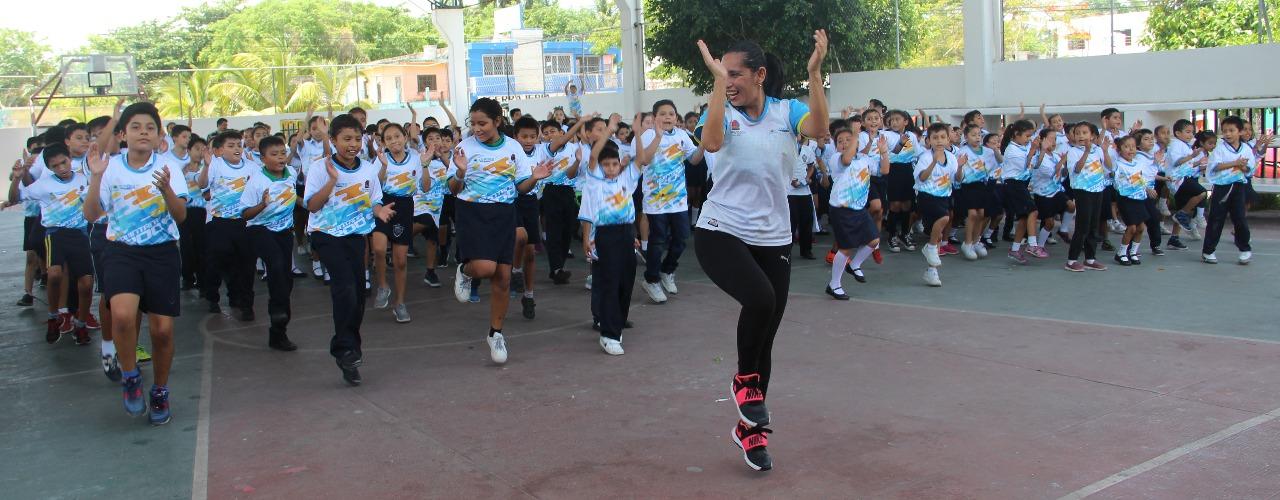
{"type": "Point", "coordinates": [133, 404]}
{"type": "Point", "coordinates": [475, 292]}
{"type": "Point", "coordinates": [1183, 220]}
{"type": "Point", "coordinates": [160, 405]}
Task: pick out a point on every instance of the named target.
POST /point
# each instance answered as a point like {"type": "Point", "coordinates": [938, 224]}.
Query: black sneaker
{"type": "Point", "coordinates": [987, 242]}
{"type": "Point", "coordinates": [753, 441]}
{"type": "Point", "coordinates": [750, 400]}
{"type": "Point", "coordinates": [350, 363]}
{"type": "Point", "coordinates": [1175, 244]}
{"type": "Point", "coordinates": [895, 245]}
{"type": "Point", "coordinates": [517, 284]}
{"type": "Point", "coordinates": [431, 279]}
{"type": "Point", "coordinates": [526, 307]}
{"type": "Point", "coordinates": [561, 277]}
{"type": "Point", "coordinates": [26, 301]}
{"type": "Point", "coordinates": [1157, 251]}
{"type": "Point", "coordinates": [281, 342]}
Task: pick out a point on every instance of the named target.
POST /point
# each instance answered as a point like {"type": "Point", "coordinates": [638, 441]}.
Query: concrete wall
{"type": "Point", "coordinates": [1153, 81]}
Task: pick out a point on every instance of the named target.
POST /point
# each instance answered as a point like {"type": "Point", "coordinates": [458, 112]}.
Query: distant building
{"type": "Point", "coordinates": [531, 67]}
{"type": "Point", "coordinates": [1099, 36]}
{"type": "Point", "coordinates": [418, 77]}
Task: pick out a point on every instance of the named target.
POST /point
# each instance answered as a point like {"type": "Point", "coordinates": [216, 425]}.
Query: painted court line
{"type": "Point", "coordinates": [1172, 455]}
{"type": "Point", "coordinates": [200, 465]}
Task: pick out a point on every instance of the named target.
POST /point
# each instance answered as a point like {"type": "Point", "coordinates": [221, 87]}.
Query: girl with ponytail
{"type": "Point", "coordinates": [743, 240]}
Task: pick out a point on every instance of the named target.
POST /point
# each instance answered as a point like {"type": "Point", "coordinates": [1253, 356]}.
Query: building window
{"type": "Point", "coordinates": [558, 64]}
{"type": "Point", "coordinates": [426, 83]}
{"type": "Point", "coordinates": [1126, 37]}
{"type": "Point", "coordinates": [497, 65]}
{"type": "Point", "coordinates": [1075, 44]}
{"type": "Point", "coordinates": [590, 65]}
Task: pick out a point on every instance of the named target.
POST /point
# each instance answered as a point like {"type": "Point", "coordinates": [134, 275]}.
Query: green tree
{"type": "Point", "coordinates": [328, 30]}
{"type": "Point", "coordinates": [174, 43]}
{"type": "Point", "coordinates": [25, 54]}
{"type": "Point", "coordinates": [862, 33]}
{"type": "Point", "coordinates": [939, 35]}
{"type": "Point", "coordinates": [1189, 24]}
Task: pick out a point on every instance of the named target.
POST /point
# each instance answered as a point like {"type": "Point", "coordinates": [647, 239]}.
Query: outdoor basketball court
{"type": "Point", "coordinates": [1161, 381]}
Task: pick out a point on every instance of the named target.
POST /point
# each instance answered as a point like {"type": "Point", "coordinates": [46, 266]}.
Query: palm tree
{"type": "Point", "coordinates": [189, 95]}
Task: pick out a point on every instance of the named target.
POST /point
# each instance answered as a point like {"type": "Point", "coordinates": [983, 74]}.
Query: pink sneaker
{"type": "Point", "coordinates": [1095, 266]}
{"type": "Point", "coordinates": [1016, 256]}
{"type": "Point", "coordinates": [1038, 252]}
{"type": "Point", "coordinates": [1075, 267]}
{"type": "Point", "coordinates": [948, 249]}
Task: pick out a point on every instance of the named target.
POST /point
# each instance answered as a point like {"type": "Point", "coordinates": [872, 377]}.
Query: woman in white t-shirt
{"type": "Point", "coordinates": [743, 240]}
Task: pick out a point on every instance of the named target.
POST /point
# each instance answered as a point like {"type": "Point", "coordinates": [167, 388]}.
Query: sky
{"type": "Point", "coordinates": [77, 19]}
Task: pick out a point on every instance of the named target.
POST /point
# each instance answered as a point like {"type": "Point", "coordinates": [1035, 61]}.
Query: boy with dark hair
{"type": "Point", "coordinates": [269, 198]}
{"type": "Point", "coordinates": [229, 253]}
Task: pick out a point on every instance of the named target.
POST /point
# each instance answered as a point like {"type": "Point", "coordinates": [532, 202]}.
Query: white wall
{"type": "Point", "coordinates": [1153, 81]}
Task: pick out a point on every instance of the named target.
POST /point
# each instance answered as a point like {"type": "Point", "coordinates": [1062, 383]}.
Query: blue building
{"type": "Point", "coordinates": [508, 70]}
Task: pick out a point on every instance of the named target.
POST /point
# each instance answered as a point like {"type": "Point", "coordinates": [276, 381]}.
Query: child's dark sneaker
{"type": "Point", "coordinates": [350, 363]}
{"type": "Point", "coordinates": [51, 333]}
{"type": "Point", "coordinates": [160, 405]}
{"type": "Point", "coordinates": [750, 400]}
{"type": "Point", "coordinates": [753, 442]}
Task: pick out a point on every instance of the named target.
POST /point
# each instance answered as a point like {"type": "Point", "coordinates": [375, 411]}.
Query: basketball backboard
{"type": "Point", "coordinates": [97, 75]}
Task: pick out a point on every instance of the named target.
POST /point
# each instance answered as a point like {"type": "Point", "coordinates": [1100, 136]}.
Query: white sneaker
{"type": "Point", "coordinates": [1245, 257]}
{"type": "Point", "coordinates": [262, 268]}
{"type": "Point", "coordinates": [981, 249]}
{"type": "Point", "coordinates": [668, 282]}
{"type": "Point", "coordinates": [382, 299]}
{"type": "Point", "coordinates": [655, 292]}
{"type": "Point", "coordinates": [462, 286]}
{"type": "Point", "coordinates": [1209, 258]}
{"type": "Point", "coordinates": [587, 285]}
{"type": "Point", "coordinates": [968, 251]}
{"type": "Point", "coordinates": [1163, 206]}
{"type": "Point", "coordinates": [610, 346]}
{"type": "Point", "coordinates": [326, 277]}
{"type": "Point", "coordinates": [497, 347]}
{"type": "Point", "coordinates": [931, 256]}
{"type": "Point", "coordinates": [931, 277]}
{"type": "Point", "coordinates": [1116, 226]}
{"type": "Point", "coordinates": [1164, 231]}
{"type": "Point", "coordinates": [1195, 232]}
{"type": "Point", "coordinates": [317, 270]}
{"type": "Point", "coordinates": [1201, 222]}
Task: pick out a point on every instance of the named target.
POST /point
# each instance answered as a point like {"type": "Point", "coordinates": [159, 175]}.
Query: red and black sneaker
{"type": "Point", "coordinates": [51, 335]}
{"type": "Point", "coordinates": [82, 336]}
{"type": "Point", "coordinates": [753, 442]}
{"type": "Point", "coordinates": [66, 323]}
{"type": "Point", "coordinates": [750, 400]}
{"type": "Point", "coordinates": [91, 323]}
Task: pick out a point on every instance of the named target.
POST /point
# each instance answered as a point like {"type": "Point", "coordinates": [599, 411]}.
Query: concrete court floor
{"type": "Point", "coordinates": [1157, 381]}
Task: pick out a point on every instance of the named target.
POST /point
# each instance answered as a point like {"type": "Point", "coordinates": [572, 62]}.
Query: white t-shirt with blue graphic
{"type": "Point", "coordinates": [1224, 153]}
{"type": "Point", "coordinates": [493, 171]}
{"type": "Point", "coordinates": [61, 201]}
{"type": "Point", "coordinates": [282, 198]}
{"type": "Point", "coordinates": [226, 184]}
{"type": "Point", "coordinates": [608, 202]}
{"type": "Point", "coordinates": [137, 210]}
{"type": "Point", "coordinates": [939, 181]}
{"type": "Point", "coordinates": [349, 209]}
{"type": "Point", "coordinates": [1092, 176]}
{"type": "Point", "coordinates": [665, 186]}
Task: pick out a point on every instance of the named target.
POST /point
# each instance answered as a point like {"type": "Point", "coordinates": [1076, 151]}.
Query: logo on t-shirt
{"type": "Point", "coordinates": [733, 125]}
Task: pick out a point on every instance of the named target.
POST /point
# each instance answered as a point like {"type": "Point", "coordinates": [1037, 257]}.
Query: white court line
{"type": "Point", "coordinates": [200, 466]}
{"type": "Point", "coordinates": [1172, 455]}
{"type": "Point", "coordinates": [707, 282]}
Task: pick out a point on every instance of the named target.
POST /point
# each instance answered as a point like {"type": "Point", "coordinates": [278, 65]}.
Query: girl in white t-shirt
{"type": "Point", "coordinates": [743, 240]}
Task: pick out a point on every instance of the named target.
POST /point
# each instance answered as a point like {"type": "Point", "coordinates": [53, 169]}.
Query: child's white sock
{"type": "Point", "coordinates": [1135, 247]}
{"type": "Point", "coordinates": [63, 310]}
{"type": "Point", "coordinates": [1031, 240]}
{"type": "Point", "coordinates": [1017, 245]}
{"type": "Point", "coordinates": [837, 269]}
{"type": "Point", "coordinates": [644, 245]}
{"type": "Point", "coordinates": [986, 233]}
{"type": "Point", "coordinates": [861, 256]}
{"type": "Point", "coordinates": [517, 269]}
{"type": "Point", "coordinates": [1200, 212]}
{"type": "Point", "coordinates": [108, 347]}
{"type": "Point", "coordinates": [1044, 234]}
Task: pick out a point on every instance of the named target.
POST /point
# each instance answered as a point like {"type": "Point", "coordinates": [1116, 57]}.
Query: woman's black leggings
{"type": "Point", "coordinates": [758, 278]}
